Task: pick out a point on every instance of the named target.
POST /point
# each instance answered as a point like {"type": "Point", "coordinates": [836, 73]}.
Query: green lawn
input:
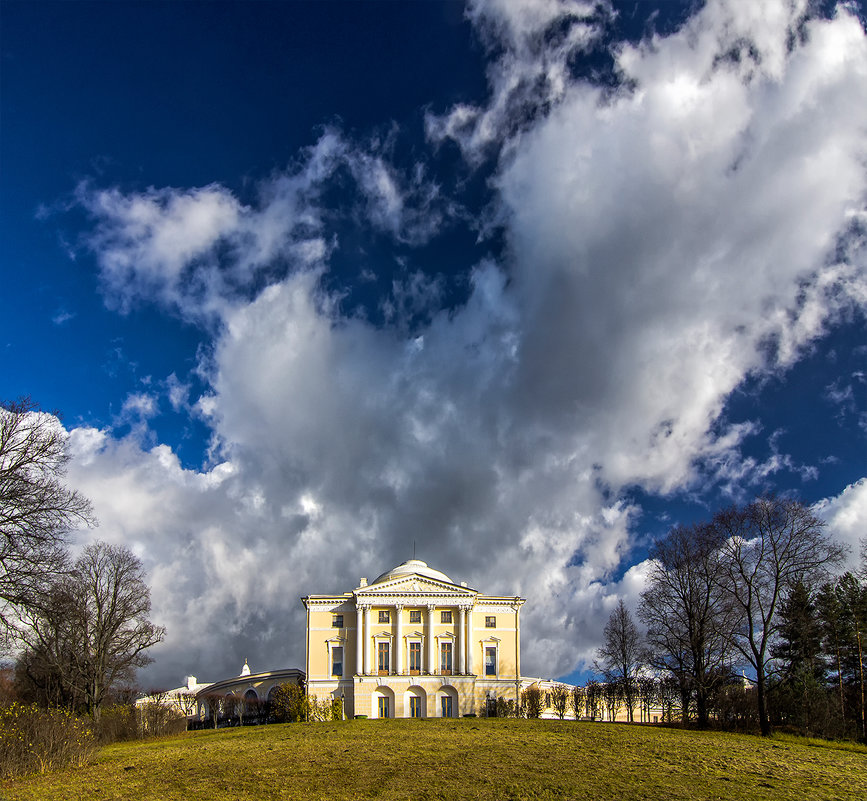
{"type": "Point", "coordinates": [460, 759]}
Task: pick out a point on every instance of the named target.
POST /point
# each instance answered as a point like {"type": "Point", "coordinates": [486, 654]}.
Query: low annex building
{"type": "Point", "coordinates": [413, 643]}
{"type": "Point", "coordinates": [248, 689]}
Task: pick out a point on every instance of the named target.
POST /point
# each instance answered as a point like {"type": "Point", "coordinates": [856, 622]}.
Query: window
{"type": "Point", "coordinates": [490, 622]}
{"type": "Point", "coordinates": [337, 660]}
{"type": "Point", "coordinates": [447, 706]}
{"type": "Point", "coordinates": [446, 617]}
{"type": "Point", "coordinates": [383, 707]}
{"type": "Point", "coordinates": [337, 621]}
{"type": "Point", "coordinates": [491, 660]}
{"type": "Point", "coordinates": [414, 706]}
{"type": "Point", "coordinates": [382, 657]}
{"type": "Point", "coordinates": [383, 616]}
{"type": "Point", "coordinates": [415, 615]}
{"type": "Point", "coordinates": [415, 657]}
{"type": "Point", "coordinates": [446, 660]}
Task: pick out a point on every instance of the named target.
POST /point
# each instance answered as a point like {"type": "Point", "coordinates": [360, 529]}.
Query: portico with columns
{"type": "Point", "coordinates": [413, 643]}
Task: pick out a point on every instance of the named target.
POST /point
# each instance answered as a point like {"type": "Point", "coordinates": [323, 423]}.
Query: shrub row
{"type": "Point", "coordinates": [34, 740]}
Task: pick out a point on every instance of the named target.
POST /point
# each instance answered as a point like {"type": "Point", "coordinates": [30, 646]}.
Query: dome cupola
{"type": "Point", "coordinates": [412, 567]}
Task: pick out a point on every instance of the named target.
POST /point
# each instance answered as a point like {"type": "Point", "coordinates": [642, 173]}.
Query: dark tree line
{"type": "Point", "coordinates": [752, 589]}
{"type": "Point", "coordinates": [80, 626]}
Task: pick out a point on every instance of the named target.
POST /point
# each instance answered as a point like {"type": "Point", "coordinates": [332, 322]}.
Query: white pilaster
{"type": "Point", "coordinates": [462, 639]}
{"type": "Point", "coordinates": [431, 641]}
{"type": "Point", "coordinates": [470, 645]}
{"type": "Point", "coordinates": [359, 640]}
{"type": "Point", "coordinates": [366, 640]}
{"type": "Point", "coordinates": [398, 646]}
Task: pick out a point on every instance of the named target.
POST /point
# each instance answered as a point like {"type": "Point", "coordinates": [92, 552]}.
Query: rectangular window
{"type": "Point", "coordinates": [415, 615]}
{"type": "Point", "coordinates": [337, 661]}
{"type": "Point", "coordinates": [414, 657]}
{"type": "Point", "coordinates": [414, 706]}
{"type": "Point", "coordinates": [337, 621]}
{"type": "Point", "coordinates": [383, 616]}
{"type": "Point", "coordinates": [447, 706]}
{"type": "Point", "coordinates": [446, 659]}
{"type": "Point", "coordinates": [446, 617]}
{"type": "Point", "coordinates": [383, 707]}
{"type": "Point", "coordinates": [382, 658]}
{"type": "Point", "coordinates": [490, 661]}
{"type": "Point", "coordinates": [490, 622]}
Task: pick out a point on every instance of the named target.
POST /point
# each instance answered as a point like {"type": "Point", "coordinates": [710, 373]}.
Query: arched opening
{"type": "Point", "coordinates": [447, 703]}
{"type": "Point", "coordinates": [251, 704]}
{"type": "Point", "coordinates": [229, 706]}
{"type": "Point", "coordinates": [415, 702]}
{"type": "Point", "coordinates": [382, 703]}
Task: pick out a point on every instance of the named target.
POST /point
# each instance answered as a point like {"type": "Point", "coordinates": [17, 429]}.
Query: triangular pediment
{"type": "Point", "coordinates": [414, 585]}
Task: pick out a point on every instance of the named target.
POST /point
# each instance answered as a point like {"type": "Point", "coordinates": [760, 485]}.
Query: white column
{"type": "Point", "coordinates": [366, 640]}
{"type": "Point", "coordinates": [431, 641]}
{"type": "Point", "coordinates": [398, 647]}
{"type": "Point", "coordinates": [517, 609]}
{"type": "Point", "coordinates": [470, 645]}
{"type": "Point", "coordinates": [462, 640]}
{"type": "Point", "coordinates": [359, 640]}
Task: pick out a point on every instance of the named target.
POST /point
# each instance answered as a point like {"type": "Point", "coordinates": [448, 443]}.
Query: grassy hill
{"type": "Point", "coordinates": [459, 759]}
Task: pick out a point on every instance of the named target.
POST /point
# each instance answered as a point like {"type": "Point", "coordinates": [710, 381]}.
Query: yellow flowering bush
{"type": "Point", "coordinates": [34, 740]}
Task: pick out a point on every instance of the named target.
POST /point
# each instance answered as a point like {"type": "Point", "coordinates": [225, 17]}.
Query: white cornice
{"type": "Point", "coordinates": [415, 585]}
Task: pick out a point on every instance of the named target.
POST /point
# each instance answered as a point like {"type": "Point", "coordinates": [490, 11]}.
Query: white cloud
{"type": "Point", "coordinates": [664, 243]}
{"type": "Point", "coordinates": [178, 392]}
{"type": "Point", "coordinates": [846, 516]}
{"type": "Point", "coordinates": [62, 316]}
{"type": "Point", "coordinates": [536, 40]}
{"type": "Point", "coordinates": [196, 251]}
{"type": "Point", "coordinates": [140, 406]}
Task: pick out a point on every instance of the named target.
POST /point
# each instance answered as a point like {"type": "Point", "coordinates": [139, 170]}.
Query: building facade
{"type": "Point", "coordinates": [413, 643]}
{"type": "Point", "coordinates": [181, 699]}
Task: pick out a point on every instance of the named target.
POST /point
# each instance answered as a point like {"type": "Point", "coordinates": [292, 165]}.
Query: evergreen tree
{"type": "Point", "coordinates": [800, 691]}
{"type": "Point", "coordinates": [799, 648]}
{"type": "Point", "coordinates": [832, 626]}
{"type": "Point", "coordinates": [853, 603]}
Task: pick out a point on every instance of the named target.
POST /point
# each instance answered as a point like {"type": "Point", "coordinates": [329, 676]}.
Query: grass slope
{"type": "Point", "coordinates": [460, 759]}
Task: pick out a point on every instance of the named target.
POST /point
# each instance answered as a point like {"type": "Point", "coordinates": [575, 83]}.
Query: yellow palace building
{"type": "Point", "coordinates": [412, 643]}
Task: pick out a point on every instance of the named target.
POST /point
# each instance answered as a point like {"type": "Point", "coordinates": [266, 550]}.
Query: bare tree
{"type": "Point", "coordinates": [560, 699]}
{"type": "Point", "coordinates": [612, 693]}
{"type": "Point", "coordinates": [93, 625]}
{"type": "Point", "coordinates": [619, 658]}
{"type": "Point", "coordinates": [688, 615]}
{"type": "Point", "coordinates": [36, 509]}
{"type": "Point", "coordinates": [531, 702]}
{"type": "Point", "coordinates": [770, 545]}
{"type": "Point", "coordinates": [593, 692]}
{"type": "Point", "coordinates": [578, 700]}
{"type": "Point", "coordinates": [647, 696]}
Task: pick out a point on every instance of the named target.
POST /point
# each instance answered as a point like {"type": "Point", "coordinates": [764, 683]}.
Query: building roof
{"type": "Point", "coordinates": [412, 567]}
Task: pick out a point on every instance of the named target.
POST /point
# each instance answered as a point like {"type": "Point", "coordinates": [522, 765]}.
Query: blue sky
{"type": "Point", "coordinates": [523, 283]}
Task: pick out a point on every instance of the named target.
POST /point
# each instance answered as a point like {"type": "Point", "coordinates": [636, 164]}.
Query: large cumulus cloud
{"type": "Point", "coordinates": [666, 238]}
